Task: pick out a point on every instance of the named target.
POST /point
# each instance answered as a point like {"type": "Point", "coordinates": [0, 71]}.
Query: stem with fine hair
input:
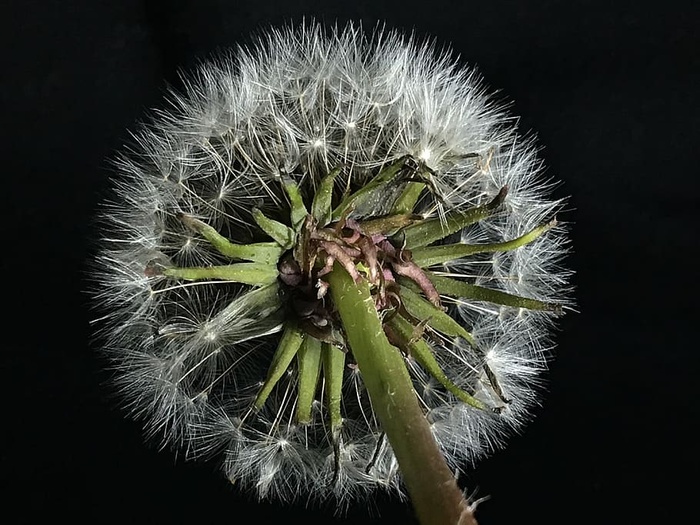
{"type": "Point", "coordinates": [434, 492]}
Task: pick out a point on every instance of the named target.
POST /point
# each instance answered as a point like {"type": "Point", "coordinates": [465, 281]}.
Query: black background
{"type": "Point", "coordinates": [611, 90]}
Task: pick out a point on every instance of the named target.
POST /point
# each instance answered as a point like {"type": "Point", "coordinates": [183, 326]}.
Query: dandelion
{"type": "Point", "coordinates": [325, 237]}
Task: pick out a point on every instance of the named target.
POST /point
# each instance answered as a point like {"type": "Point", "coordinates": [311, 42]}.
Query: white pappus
{"type": "Point", "coordinates": [191, 354]}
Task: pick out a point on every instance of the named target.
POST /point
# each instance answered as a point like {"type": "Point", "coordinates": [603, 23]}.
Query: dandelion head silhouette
{"type": "Point", "coordinates": [315, 149]}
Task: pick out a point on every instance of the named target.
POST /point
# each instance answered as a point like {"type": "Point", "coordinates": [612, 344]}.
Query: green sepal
{"type": "Point", "coordinates": [436, 318]}
{"type": "Point", "coordinates": [298, 211]}
{"type": "Point", "coordinates": [309, 361]}
{"type": "Point", "coordinates": [388, 225]}
{"type": "Point", "coordinates": [428, 231]}
{"type": "Point", "coordinates": [432, 255]}
{"type": "Point", "coordinates": [283, 235]}
{"type": "Point", "coordinates": [378, 181]}
{"type": "Point", "coordinates": [262, 252]}
{"type": "Point", "coordinates": [267, 253]}
{"type": "Point", "coordinates": [333, 368]}
{"type": "Point", "coordinates": [408, 198]}
{"type": "Point", "coordinates": [421, 352]}
{"type": "Point", "coordinates": [255, 274]}
{"type": "Point", "coordinates": [461, 289]}
{"type": "Point", "coordinates": [288, 347]}
{"type": "Point", "coordinates": [322, 207]}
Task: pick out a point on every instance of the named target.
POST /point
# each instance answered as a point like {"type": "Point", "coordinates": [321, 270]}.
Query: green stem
{"type": "Point", "coordinates": [434, 492]}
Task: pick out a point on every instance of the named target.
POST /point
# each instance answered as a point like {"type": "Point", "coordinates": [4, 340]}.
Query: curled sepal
{"type": "Point", "coordinates": [432, 255]}
{"type": "Point", "coordinates": [262, 252]}
{"type": "Point", "coordinates": [255, 274]}
{"type": "Point", "coordinates": [464, 290]}
{"type": "Point", "coordinates": [289, 345]}
{"type": "Point", "coordinates": [282, 234]}
{"type": "Point", "coordinates": [436, 318]}
{"type": "Point", "coordinates": [321, 207]}
{"type": "Point", "coordinates": [430, 230]}
{"type": "Point", "coordinates": [309, 362]}
{"type": "Point", "coordinates": [402, 330]}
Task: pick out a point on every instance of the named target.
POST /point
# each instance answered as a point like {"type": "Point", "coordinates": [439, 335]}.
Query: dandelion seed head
{"type": "Point", "coordinates": [190, 357]}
